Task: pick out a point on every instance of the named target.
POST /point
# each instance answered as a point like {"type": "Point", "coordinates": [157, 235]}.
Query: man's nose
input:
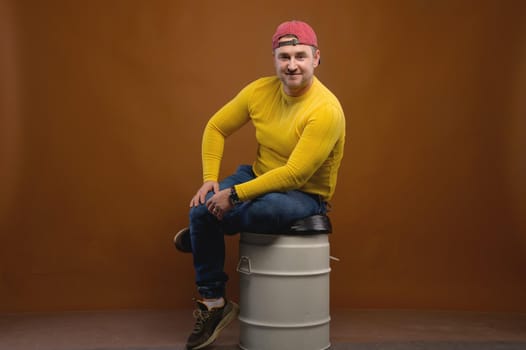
{"type": "Point", "coordinates": [292, 66]}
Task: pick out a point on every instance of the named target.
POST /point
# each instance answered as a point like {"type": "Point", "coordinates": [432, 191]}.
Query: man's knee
{"type": "Point", "coordinates": [198, 213]}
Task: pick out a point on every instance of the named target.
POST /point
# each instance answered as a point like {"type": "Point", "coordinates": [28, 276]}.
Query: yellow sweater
{"type": "Point", "coordinates": [300, 139]}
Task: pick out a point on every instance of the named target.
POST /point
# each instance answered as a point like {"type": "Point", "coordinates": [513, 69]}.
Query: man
{"type": "Point", "coordinates": [300, 130]}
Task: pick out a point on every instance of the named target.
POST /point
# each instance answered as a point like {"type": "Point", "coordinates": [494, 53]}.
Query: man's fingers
{"type": "Point", "coordinates": [200, 197]}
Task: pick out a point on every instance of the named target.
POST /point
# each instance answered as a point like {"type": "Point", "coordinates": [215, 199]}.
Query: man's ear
{"type": "Point", "coordinates": [317, 58]}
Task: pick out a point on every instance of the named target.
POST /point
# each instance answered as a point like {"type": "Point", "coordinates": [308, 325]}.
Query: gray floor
{"type": "Point", "coordinates": [350, 329]}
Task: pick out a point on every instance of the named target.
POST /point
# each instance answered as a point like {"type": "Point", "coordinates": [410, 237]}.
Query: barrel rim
{"type": "Point", "coordinates": [320, 322]}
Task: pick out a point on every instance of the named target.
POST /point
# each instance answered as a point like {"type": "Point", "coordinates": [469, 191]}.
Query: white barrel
{"type": "Point", "coordinates": [284, 292]}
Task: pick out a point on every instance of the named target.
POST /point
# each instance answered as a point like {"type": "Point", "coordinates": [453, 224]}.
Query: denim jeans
{"type": "Point", "coordinates": [270, 213]}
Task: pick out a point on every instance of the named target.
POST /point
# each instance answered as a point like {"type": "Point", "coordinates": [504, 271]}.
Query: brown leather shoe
{"type": "Point", "coordinates": [182, 241]}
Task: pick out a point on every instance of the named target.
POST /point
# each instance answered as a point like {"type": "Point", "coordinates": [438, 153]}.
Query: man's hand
{"type": "Point", "coordinates": [199, 197]}
{"type": "Point", "coordinates": [219, 204]}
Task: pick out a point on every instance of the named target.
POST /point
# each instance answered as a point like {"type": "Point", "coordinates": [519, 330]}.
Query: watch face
{"type": "Point", "coordinates": [233, 196]}
{"type": "Point", "coordinates": [234, 199]}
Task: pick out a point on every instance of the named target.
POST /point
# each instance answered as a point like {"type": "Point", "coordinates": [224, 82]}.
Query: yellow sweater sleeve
{"type": "Point", "coordinates": [322, 131]}
{"type": "Point", "coordinates": [222, 124]}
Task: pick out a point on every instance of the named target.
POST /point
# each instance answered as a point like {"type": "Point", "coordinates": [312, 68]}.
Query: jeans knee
{"type": "Point", "coordinates": [198, 213]}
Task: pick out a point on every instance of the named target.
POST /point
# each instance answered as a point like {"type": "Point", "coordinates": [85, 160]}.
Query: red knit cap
{"type": "Point", "coordinates": [301, 30]}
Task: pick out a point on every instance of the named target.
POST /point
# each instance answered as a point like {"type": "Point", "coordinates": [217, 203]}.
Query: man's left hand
{"type": "Point", "coordinates": [219, 204]}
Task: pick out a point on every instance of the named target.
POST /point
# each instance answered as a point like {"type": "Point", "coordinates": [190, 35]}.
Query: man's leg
{"type": "Point", "coordinates": [272, 212]}
{"type": "Point", "coordinates": [208, 243]}
{"type": "Point", "coordinates": [208, 247]}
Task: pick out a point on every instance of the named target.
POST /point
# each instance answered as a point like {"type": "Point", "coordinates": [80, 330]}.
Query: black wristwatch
{"type": "Point", "coordinates": [234, 199]}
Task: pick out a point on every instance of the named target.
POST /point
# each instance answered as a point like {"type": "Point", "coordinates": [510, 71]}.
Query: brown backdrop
{"type": "Point", "coordinates": [102, 108]}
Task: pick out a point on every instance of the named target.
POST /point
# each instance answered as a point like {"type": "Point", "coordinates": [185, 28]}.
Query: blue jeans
{"type": "Point", "coordinates": [272, 212]}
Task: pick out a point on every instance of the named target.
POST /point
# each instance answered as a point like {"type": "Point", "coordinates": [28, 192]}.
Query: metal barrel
{"type": "Point", "coordinates": [284, 292]}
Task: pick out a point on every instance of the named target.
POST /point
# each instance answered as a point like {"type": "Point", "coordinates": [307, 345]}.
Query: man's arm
{"type": "Point", "coordinates": [315, 145]}
{"type": "Point", "coordinates": [225, 122]}
{"type": "Point", "coordinates": [222, 124]}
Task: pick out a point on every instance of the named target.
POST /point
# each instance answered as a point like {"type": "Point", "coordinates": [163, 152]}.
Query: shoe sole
{"type": "Point", "coordinates": [177, 238]}
{"type": "Point", "coordinates": [224, 322]}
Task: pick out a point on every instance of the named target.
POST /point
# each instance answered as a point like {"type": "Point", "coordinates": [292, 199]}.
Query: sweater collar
{"type": "Point", "coordinates": [295, 99]}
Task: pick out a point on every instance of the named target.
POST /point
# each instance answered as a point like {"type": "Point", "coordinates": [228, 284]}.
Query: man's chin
{"type": "Point", "coordinates": [294, 81]}
{"type": "Point", "coordinates": [294, 76]}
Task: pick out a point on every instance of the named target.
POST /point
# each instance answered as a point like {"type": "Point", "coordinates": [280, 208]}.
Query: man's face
{"type": "Point", "coordinates": [295, 67]}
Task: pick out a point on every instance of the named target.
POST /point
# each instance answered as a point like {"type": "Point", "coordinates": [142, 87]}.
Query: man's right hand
{"type": "Point", "coordinates": [199, 197]}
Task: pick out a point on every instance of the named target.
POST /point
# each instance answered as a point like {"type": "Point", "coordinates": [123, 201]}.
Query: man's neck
{"type": "Point", "coordinates": [302, 91]}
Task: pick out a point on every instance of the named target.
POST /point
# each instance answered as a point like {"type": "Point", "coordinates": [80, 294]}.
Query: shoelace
{"type": "Point", "coordinates": [201, 317]}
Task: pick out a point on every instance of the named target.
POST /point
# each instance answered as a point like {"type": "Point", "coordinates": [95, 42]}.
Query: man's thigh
{"type": "Point", "coordinates": [272, 212]}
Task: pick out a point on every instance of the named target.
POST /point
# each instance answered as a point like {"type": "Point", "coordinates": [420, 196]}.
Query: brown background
{"type": "Point", "coordinates": [102, 108]}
